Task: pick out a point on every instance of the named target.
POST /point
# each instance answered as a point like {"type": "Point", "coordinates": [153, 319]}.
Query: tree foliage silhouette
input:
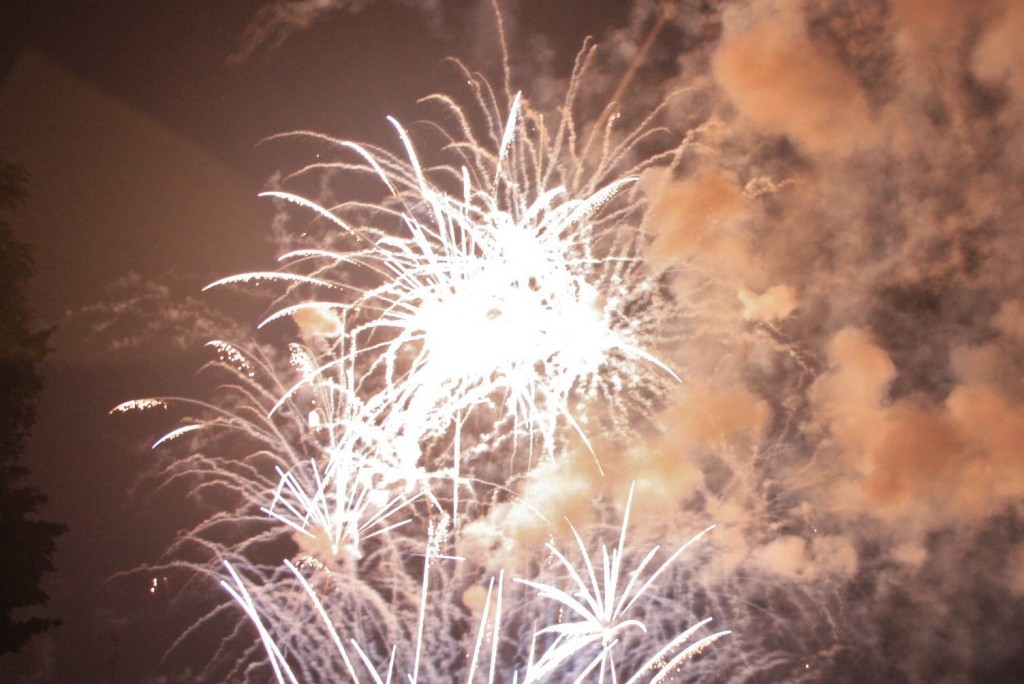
{"type": "Point", "coordinates": [28, 543]}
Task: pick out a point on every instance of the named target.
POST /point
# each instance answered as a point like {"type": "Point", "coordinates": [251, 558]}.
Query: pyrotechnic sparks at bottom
{"type": "Point", "coordinates": [600, 602]}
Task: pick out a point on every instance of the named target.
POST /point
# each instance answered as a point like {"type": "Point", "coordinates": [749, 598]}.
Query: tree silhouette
{"type": "Point", "coordinates": [28, 543]}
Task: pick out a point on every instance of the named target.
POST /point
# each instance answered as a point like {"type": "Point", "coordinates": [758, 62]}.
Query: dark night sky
{"type": "Point", "coordinates": [849, 200]}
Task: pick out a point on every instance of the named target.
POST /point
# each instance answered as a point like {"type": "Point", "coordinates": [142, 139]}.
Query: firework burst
{"type": "Point", "coordinates": [485, 293]}
{"type": "Point", "coordinates": [601, 600]}
{"type": "Point", "coordinates": [485, 307]}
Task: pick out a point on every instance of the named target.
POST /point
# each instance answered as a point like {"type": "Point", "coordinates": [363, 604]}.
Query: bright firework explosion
{"type": "Point", "coordinates": [484, 318]}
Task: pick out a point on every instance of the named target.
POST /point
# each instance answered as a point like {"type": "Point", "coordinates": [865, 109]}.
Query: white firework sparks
{"type": "Point", "coordinates": [601, 601]}
{"type": "Point", "coordinates": [509, 285]}
{"type": "Point", "coordinates": [492, 293]}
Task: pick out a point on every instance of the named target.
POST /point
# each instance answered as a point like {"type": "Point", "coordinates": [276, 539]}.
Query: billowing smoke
{"type": "Point", "coordinates": [855, 185]}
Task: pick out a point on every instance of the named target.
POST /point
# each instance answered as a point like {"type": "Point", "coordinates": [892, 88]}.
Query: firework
{"type": "Point", "coordinates": [485, 308]}
{"type": "Point", "coordinates": [600, 601]}
{"type": "Point", "coordinates": [493, 292]}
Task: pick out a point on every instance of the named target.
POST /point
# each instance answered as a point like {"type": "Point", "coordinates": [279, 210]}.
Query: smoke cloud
{"type": "Point", "coordinates": [853, 193]}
